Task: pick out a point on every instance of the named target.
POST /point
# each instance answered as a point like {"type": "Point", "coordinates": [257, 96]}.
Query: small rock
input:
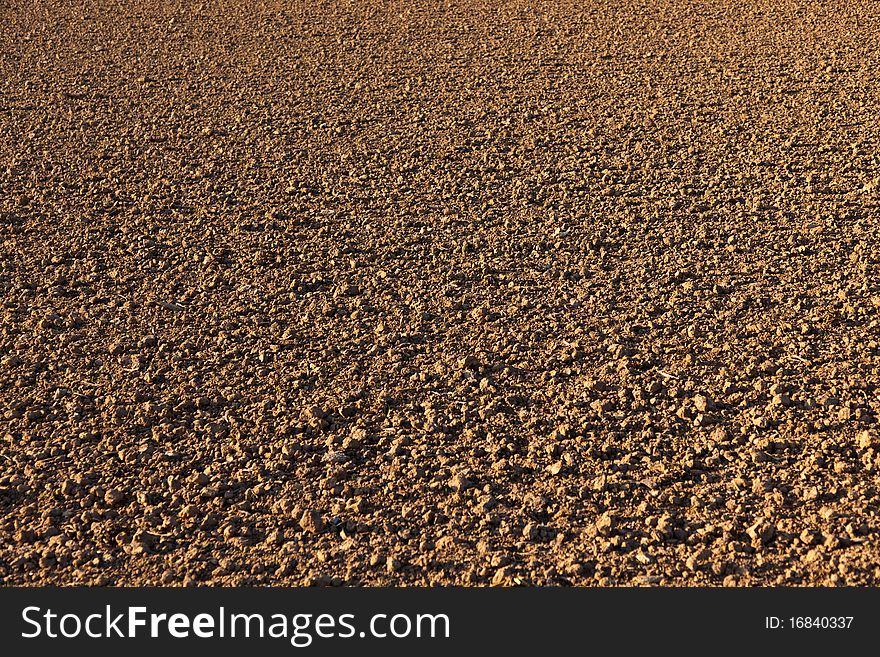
{"type": "Point", "coordinates": [503, 576]}
{"type": "Point", "coordinates": [827, 513]}
{"type": "Point", "coordinates": [698, 558]}
{"type": "Point", "coordinates": [762, 531]}
{"type": "Point", "coordinates": [312, 521]}
{"type": "Point", "coordinates": [703, 403]}
{"type": "Point", "coordinates": [809, 537]}
{"type": "Point", "coordinates": [867, 438]}
{"type": "Point", "coordinates": [562, 431]}
{"type": "Point", "coordinates": [643, 558]}
{"type": "Point", "coordinates": [606, 524]}
{"type": "Point", "coordinates": [334, 457]}
{"type": "Point", "coordinates": [144, 542]}
{"type": "Point", "coordinates": [665, 525]}
{"type": "Point", "coordinates": [459, 483]}
{"type": "Point", "coordinates": [575, 568]}
{"type": "Point", "coordinates": [445, 543]}
{"type": "Point", "coordinates": [114, 496]}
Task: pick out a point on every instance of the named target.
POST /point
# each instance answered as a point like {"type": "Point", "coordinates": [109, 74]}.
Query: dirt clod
{"type": "Point", "coordinates": [312, 521]}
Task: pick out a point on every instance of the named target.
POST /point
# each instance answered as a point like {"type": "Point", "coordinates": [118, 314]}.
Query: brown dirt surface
{"type": "Point", "coordinates": [439, 292]}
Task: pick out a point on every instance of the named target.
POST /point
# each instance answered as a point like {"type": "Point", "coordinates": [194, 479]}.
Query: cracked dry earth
{"type": "Point", "coordinates": [407, 293]}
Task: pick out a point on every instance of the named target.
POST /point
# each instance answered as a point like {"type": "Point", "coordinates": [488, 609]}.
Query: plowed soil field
{"type": "Point", "coordinates": [424, 292]}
